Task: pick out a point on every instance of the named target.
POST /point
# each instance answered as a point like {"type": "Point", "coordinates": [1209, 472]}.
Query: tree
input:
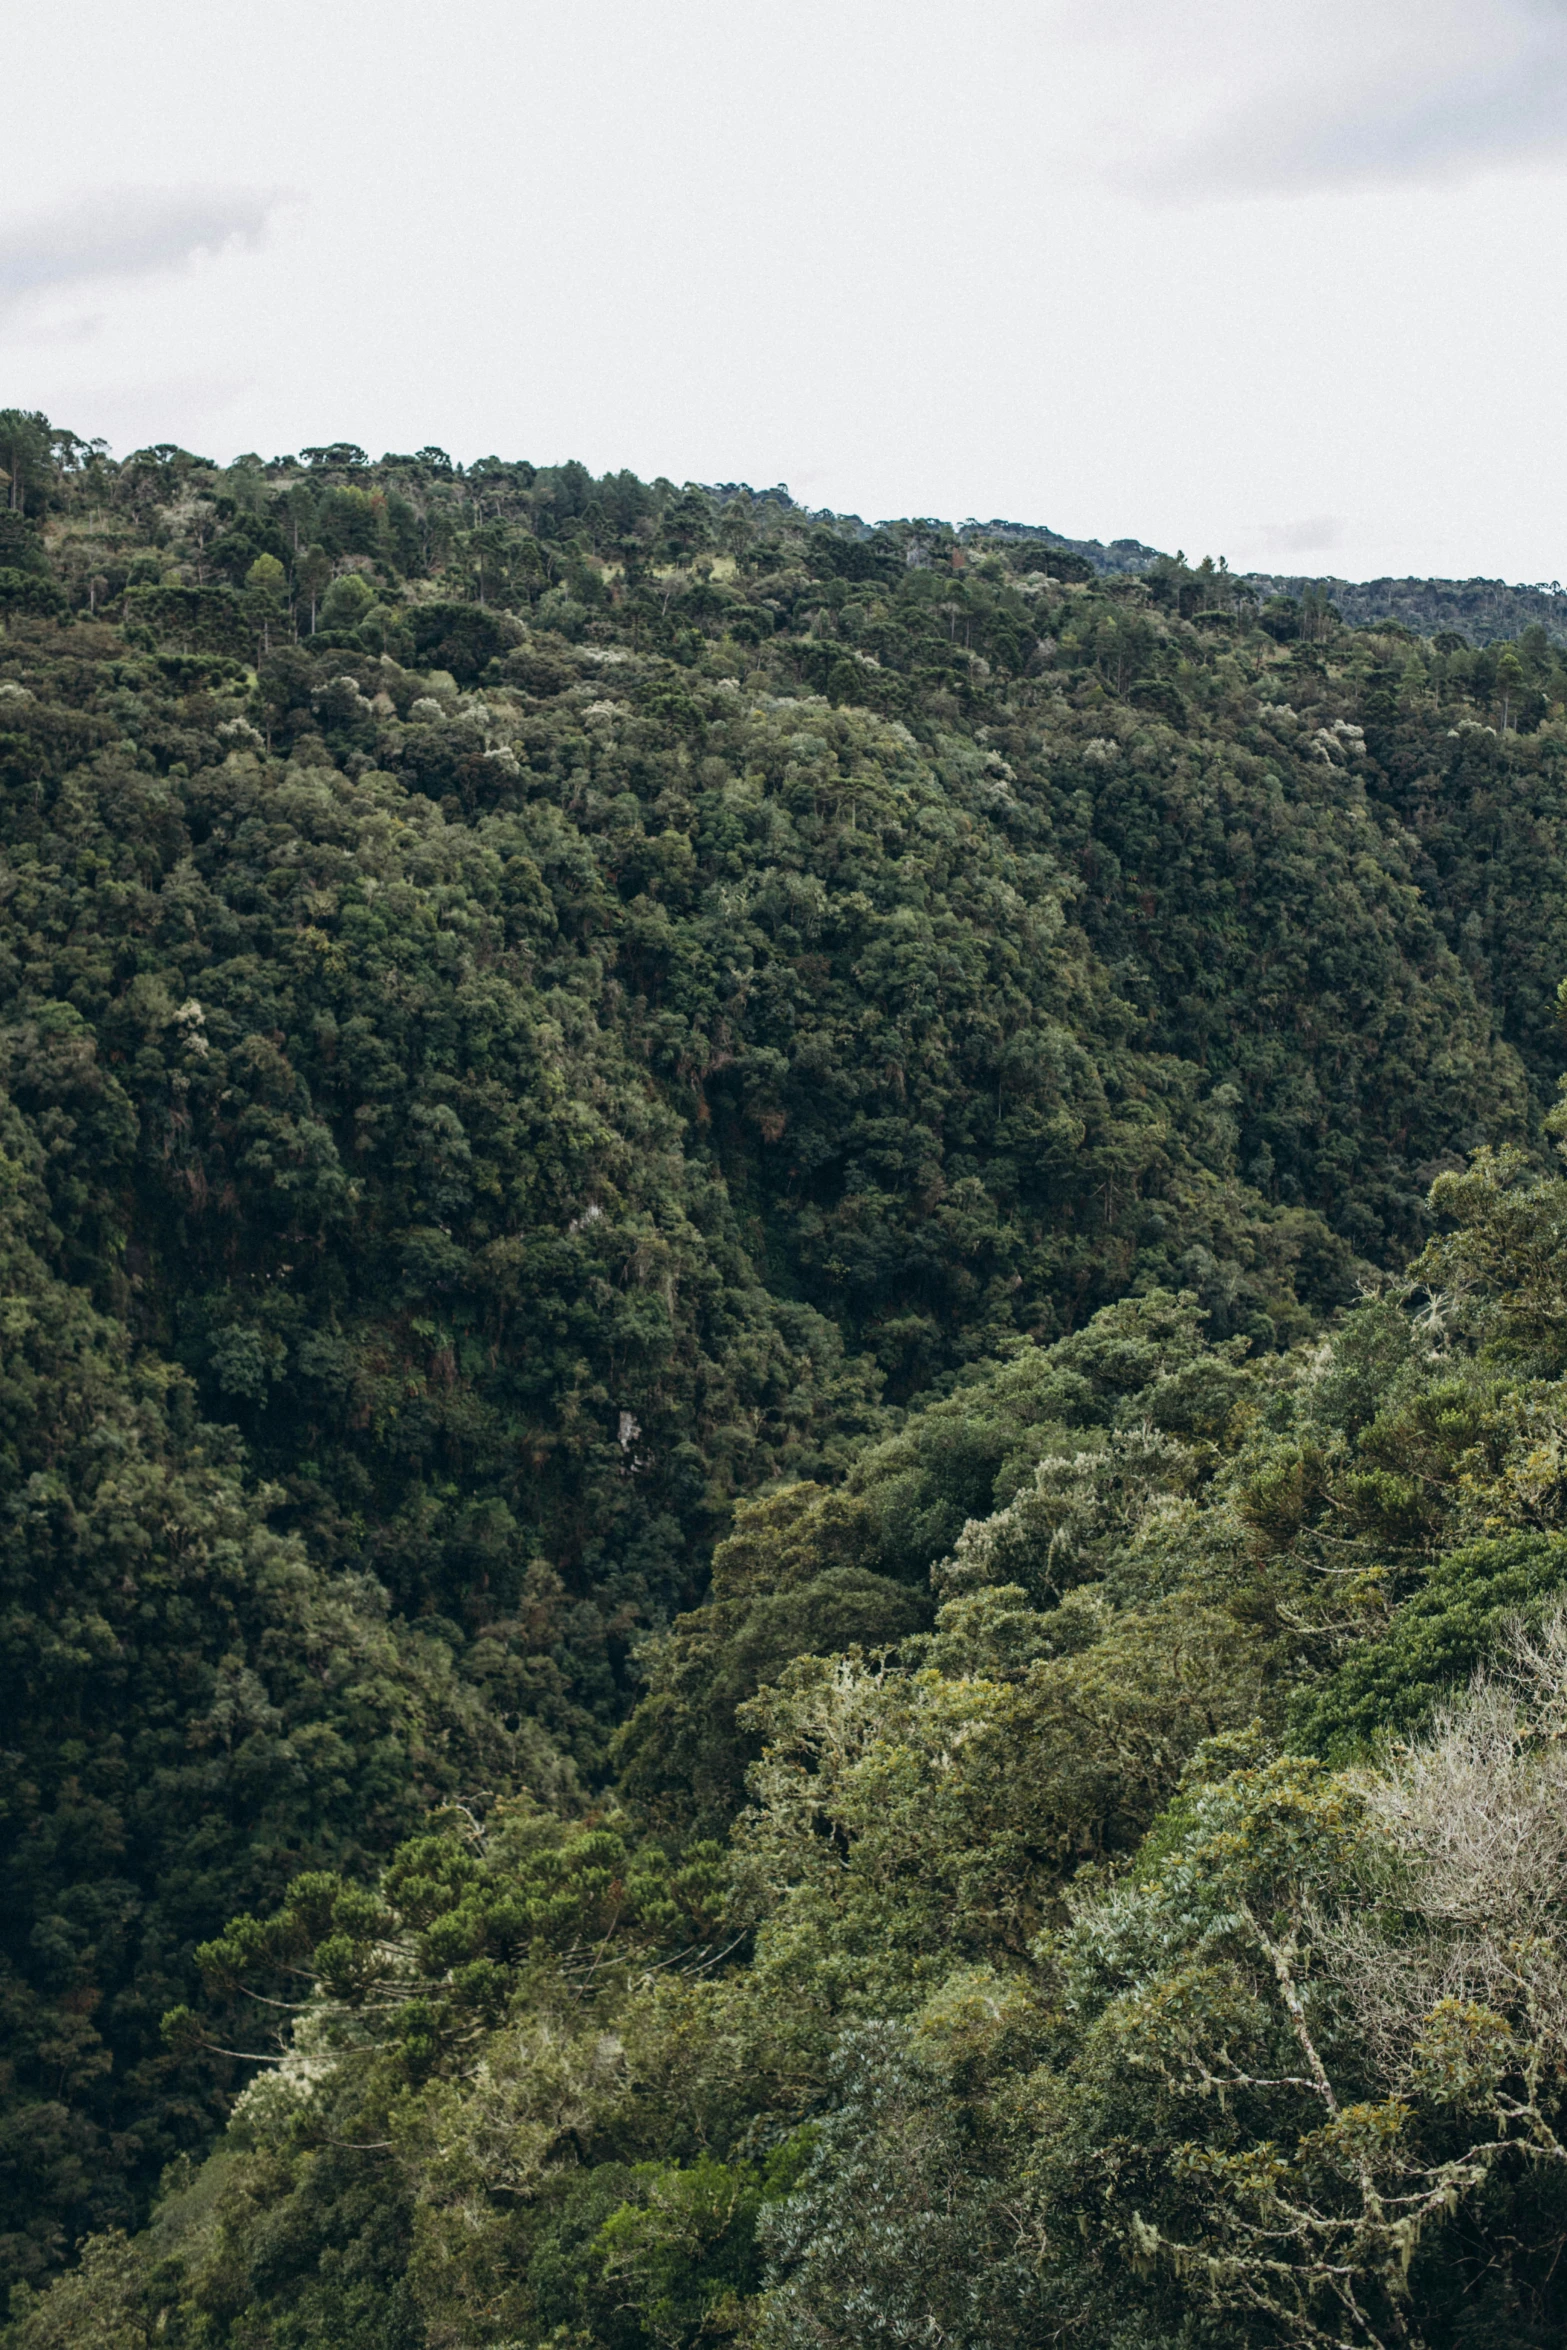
{"type": "Point", "coordinates": [266, 598]}
{"type": "Point", "coordinates": [312, 577]}
{"type": "Point", "coordinates": [26, 447]}
{"type": "Point", "coordinates": [1372, 2043]}
{"type": "Point", "coordinates": [347, 600]}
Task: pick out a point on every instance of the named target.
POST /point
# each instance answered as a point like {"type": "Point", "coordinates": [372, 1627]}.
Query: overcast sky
{"type": "Point", "coordinates": [1276, 282]}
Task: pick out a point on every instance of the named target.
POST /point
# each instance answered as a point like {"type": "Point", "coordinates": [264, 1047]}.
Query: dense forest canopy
{"type": "Point", "coordinates": [782, 1426]}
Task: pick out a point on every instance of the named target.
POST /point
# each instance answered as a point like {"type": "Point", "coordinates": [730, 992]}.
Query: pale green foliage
{"type": "Point", "coordinates": [1334, 2012]}
{"type": "Point", "coordinates": [904, 1817]}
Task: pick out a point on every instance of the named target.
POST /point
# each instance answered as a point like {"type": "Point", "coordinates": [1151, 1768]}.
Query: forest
{"type": "Point", "coordinates": [783, 1427]}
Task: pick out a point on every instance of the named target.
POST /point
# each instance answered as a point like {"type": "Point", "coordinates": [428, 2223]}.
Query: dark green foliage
{"type": "Point", "coordinates": [28, 590]}
{"type": "Point", "coordinates": [461, 637]}
{"type": "Point", "coordinates": [191, 1709]}
{"type": "Point", "coordinates": [1460, 1617]}
{"type": "Point", "coordinates": [194, 619]}
{"type": "Point", "coordinates": [684, 1194]}
{"type": "Point", "coordinates": [1474, 611]}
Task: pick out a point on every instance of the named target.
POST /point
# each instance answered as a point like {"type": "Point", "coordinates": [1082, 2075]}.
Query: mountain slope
{"type": "Point", "coordinates": [537, 1009]}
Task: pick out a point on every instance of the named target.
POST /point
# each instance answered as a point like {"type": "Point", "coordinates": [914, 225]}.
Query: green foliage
{"type": "Point", "coordinates": [721, 1495]}
{"type": "Point", "coordinates": [193, 1715]}
{"type": "Point", "coordinates": [29, 591]}
{"type": "Point", "coordinates": [897, 2234]}
{"type": "Point", "coordinates": [1461, 1615]}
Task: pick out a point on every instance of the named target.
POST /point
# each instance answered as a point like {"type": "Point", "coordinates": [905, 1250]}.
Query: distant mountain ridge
{"type": "Point", "coordinates": [1119, 557]}
{"type": "Point", "coordinates": [1483, 610]}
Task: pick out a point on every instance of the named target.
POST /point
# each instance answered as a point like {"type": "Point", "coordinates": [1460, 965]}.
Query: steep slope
{"type": "Point", "coordinates": [931, 2033]}
{"type": "Point", "coordinates": [541, 1008]}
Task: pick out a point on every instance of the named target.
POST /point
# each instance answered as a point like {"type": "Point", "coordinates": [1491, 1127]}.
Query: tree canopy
{"type": "Point", "coordinates": [781, 1423]}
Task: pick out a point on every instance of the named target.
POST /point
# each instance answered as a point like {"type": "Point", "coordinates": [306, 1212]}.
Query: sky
{"type": "Point", "coordinates": [1275, 282]}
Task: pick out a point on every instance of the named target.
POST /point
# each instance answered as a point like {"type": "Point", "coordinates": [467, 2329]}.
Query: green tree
{"type": "Point", "coordinates": [266, 598]}
{"type": "Point", "coordinates": [313, 577]}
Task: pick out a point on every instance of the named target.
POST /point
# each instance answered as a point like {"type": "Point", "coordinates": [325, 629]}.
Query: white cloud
{"type": "Point", "coordinates": [899, 253]}
{"type": "Point", "coordinates": [1393, 92]}
{"type": "Point", "coordinates": [119, 233]}
{"type": "Point", "coordinates": [1272, 543]}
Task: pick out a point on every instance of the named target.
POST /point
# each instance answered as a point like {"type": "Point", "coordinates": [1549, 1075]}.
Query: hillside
{"type": "Point", "coordinates": [1479, 611]}
{"type": "Point", "coordinates": [709, 1391]}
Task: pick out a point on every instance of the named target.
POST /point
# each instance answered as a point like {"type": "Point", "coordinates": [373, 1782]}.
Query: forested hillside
{"type": "Point", "coordinates": [724, 1484]}
{"type": "Point", "coordinates": [1474, 612]}
{"type": "Point", "coordinates": [1479, 611]}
